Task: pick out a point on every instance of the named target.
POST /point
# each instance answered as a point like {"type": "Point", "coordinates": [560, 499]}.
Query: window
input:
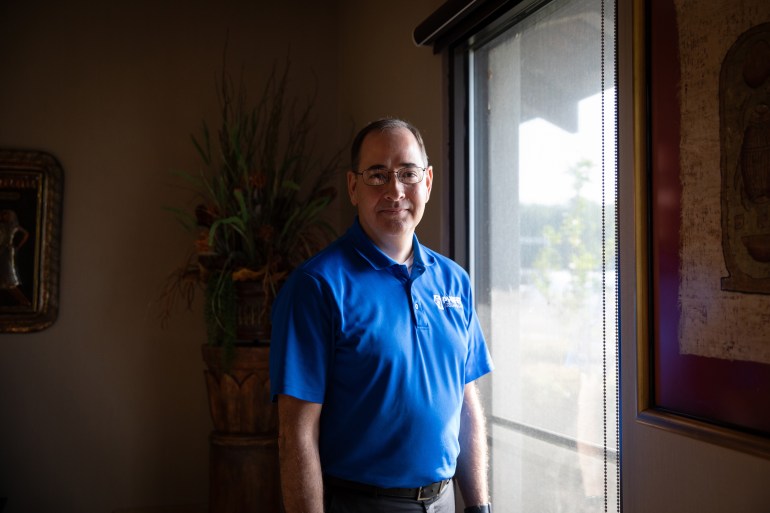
{"type": "Point", "coordinates": [534, 139]}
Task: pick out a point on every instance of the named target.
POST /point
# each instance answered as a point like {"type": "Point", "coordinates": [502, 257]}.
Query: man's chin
{"type": "Point", "coordinates": [395, 225]}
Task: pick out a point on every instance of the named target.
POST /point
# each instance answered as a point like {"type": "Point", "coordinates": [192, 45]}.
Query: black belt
{"type": "Point", "coordinates": [422, 493]}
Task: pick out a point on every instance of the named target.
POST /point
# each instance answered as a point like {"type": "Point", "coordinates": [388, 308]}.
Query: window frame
{"type": "Point", "coordinates": [454, 34]}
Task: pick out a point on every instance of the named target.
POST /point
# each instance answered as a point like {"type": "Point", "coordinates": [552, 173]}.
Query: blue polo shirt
{"type": "Point", "coordinates": [387, 354]}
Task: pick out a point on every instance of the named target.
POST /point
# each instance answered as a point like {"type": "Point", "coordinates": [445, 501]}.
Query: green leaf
{"type": "Point", "coordinates": [291, 185]}
{"type": "Point", "coordinates": [233, 222]}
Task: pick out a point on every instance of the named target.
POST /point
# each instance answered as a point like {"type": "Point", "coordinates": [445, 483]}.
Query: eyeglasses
{"type": "Point", "coordinates": [408, 175]}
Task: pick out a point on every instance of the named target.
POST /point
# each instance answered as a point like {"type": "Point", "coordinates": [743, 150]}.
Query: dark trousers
{"type": "Point", "coordinates": [341, 500]}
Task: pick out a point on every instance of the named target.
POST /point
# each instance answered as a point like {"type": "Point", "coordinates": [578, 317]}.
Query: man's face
{"type": "Point", "coordinates": [389, 213]}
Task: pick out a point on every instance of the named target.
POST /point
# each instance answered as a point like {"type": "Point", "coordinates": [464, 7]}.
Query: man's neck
{"type": "Point", "coordinates": [400, 251]}
{"type": "Point", "coordinates": [397, 247]}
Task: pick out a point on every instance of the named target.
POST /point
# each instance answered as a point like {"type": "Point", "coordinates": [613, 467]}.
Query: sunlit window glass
{"type": "Point", "coordinates": [543, 255]}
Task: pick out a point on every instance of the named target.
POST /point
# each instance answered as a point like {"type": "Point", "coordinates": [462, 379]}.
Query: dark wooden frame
{"type": "Point", "coordinates": [30, 225]}
{"type": "Point", "coordinates": [691, 395]}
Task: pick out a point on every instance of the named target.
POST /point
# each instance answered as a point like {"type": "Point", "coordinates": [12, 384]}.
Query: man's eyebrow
{"type": "Point", "coordinates": [399, 166]}
{"type": "Point", "coordinates": [380, 167]}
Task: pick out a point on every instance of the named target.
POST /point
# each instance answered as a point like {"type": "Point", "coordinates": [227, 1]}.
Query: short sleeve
{"type": "Point", "coordinates": [302, 339]}
{"type": "Point", "coordinates": [478, 361]}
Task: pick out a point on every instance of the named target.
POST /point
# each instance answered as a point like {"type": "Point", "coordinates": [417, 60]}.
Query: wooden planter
{"type": "Point", "coordinates": [243, 468]}
{"type": "Point", "coordinates": [252, 311]}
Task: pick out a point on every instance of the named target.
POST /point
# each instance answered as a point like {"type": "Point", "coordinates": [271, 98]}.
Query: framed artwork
{"type": "Point", "coordinates": [30, 224]}
{"type": "Point", "coordinates": [702, 101]}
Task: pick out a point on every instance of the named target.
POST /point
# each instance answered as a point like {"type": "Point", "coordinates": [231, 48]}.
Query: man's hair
{"type": "Point", "coordinates": [383, 125]}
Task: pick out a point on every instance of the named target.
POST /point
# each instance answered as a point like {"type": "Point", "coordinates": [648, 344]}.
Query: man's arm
{"type": "Point", "coordinates": [301, 479]}
{"type": "Point", "coordinates": [472, 464]}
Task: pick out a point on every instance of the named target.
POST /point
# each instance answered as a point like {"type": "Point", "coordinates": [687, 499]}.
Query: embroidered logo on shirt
{"type": "Point", "coordinates": [447, 301]}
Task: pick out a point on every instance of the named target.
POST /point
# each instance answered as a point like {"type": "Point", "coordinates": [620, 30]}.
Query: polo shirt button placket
{"type": "Point", "coordinates": [419, 314]}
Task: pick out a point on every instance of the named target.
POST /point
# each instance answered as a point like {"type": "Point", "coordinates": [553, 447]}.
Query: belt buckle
{"type": "Point", "coordinates": [441, 487]}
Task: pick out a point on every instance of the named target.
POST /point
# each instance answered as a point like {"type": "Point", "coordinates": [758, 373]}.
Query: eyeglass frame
{"type": "Point", "coordinates": [390, 172]}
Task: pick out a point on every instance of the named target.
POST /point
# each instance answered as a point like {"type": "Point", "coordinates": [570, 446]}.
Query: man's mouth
{"type": "Point", "coordinates": [392, 210]}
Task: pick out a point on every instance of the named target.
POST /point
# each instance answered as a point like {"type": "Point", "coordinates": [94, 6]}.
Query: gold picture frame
{"type": "Point", "coordinates": [30, 226]}
{"type": "Point", "coordinates": [657, 338]}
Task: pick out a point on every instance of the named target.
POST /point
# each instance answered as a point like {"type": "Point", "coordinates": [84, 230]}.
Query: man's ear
{"type": "Point", "coordinates": [352, 187]}
{"type": "Point", "coordinates": [428, 181]}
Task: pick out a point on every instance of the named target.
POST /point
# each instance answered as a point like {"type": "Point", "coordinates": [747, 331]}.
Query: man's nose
{"type": "Point", "coordinates": [394, 188]}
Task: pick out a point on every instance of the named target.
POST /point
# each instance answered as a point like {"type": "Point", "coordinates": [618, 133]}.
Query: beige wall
{"type": "Point", "coordinates": [105, 410]}
{"type": "Point", "coordinates": [382, 73]}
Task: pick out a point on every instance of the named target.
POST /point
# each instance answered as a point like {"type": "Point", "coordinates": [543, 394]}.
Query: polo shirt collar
{"type": "Point", "coordinates": [376, 257]}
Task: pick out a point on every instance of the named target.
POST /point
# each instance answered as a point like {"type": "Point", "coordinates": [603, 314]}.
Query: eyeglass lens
{"type": "Point", "coordinates": [407, 175]}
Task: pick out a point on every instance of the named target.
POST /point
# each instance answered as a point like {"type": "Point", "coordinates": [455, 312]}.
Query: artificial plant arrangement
{"type": "Point", "coordinates": [261, 196]}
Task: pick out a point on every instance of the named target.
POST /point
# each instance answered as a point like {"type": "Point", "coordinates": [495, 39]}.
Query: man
{"type": "Point", "coordinates": [375, 347]}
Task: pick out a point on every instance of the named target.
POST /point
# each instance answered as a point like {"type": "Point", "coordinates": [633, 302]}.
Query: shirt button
{"type": "Point", "coordinates": [417, 306]}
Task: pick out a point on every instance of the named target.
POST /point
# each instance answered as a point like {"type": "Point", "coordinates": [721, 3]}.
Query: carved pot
{"type": "Point", "coordinates": [239, 399]}
{"type": "Point", "coordinates": [243, 460]}
{"type": "Point", "coordinates": [252, 313]}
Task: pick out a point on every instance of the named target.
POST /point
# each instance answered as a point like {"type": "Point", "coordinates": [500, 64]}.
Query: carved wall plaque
{"type": "Point", "coordinates": [744, 108]}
